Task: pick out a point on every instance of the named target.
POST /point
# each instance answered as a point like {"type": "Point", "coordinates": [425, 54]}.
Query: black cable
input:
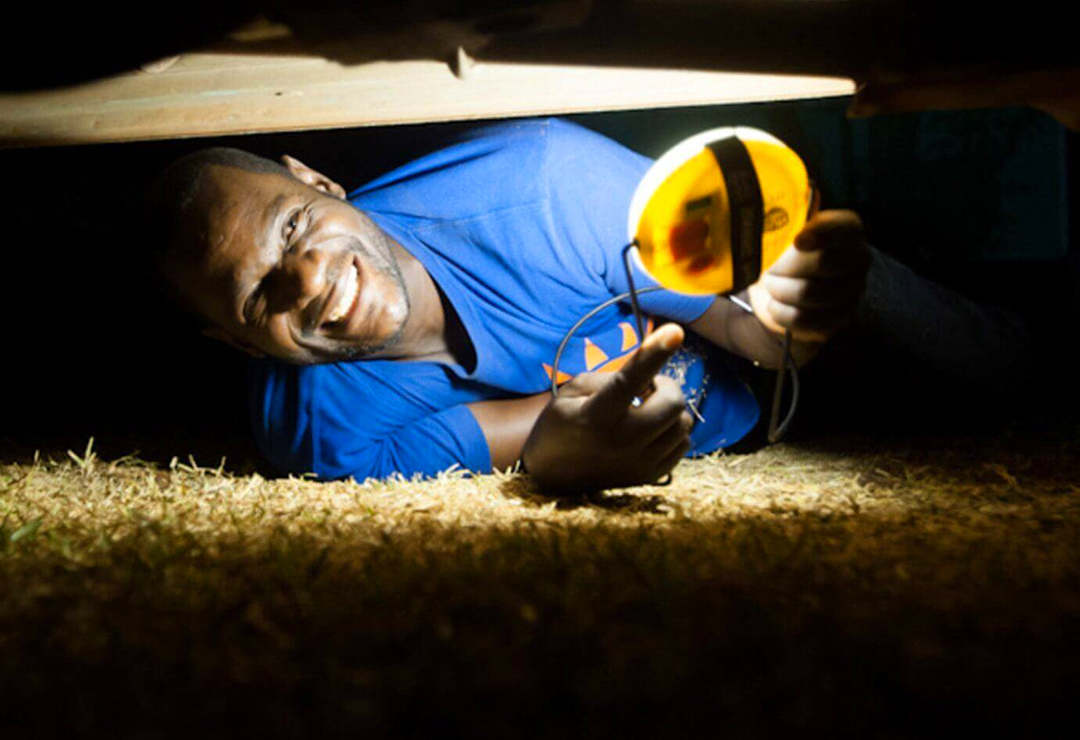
{"type": "Point", "coordinates": [633, 290]}
{"type": "Point", "coordinates": [787, 362]}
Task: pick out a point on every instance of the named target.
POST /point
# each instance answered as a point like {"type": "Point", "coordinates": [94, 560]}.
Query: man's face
{"type": "Point", "coordinates": [291, 271]}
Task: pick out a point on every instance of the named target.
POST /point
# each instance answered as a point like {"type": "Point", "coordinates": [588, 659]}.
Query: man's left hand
{"type": "Point", "coordinates": [815, 286]}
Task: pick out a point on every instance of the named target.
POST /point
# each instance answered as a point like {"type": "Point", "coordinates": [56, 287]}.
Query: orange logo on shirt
{"type": "Point", "coordinates": [599, 361]}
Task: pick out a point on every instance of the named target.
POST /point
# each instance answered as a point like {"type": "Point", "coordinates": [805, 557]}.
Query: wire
{"type": "Point", "coordinates": [633, 290]}
{"type": "Point", "coordinates": [786, 363]}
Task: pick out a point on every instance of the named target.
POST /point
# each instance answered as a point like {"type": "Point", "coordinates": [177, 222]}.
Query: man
{"type": "Point", "coordinates": [411, 326]}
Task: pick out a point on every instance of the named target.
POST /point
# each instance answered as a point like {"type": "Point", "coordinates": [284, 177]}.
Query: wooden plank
{"type": "Point", "coordinates": [219, 93]}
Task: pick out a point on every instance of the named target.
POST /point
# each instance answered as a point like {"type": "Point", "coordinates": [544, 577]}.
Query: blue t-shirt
{"type": "Point", "coordinates": [522, 226]}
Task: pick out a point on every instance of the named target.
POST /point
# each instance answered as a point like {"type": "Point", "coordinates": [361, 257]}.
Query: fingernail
{"type": "Point", "coordinates": [669, 338]}
{"type": "Point", "coordinates": [806, 241]}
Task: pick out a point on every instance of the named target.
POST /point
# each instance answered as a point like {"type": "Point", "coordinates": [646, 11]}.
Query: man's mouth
{"type": "Point", "coordinates": [345, 297]}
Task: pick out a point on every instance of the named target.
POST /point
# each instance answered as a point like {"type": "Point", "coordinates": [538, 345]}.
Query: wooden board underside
{"type": "Point", "coordinates": [211, 94]}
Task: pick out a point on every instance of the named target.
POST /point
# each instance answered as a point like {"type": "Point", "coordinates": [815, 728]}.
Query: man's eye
{"type": "Point", "coordinates": [291, 225]}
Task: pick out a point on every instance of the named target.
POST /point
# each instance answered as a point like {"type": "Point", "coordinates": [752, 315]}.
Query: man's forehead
{"type": "Point", "coordinates": [233, 193]}
{"type": "Point", "coordinates": [239, 214]}
{"type": "Point", "coordinates": [239, 207]}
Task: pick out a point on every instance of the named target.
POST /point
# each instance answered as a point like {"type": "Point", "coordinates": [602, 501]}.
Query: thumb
{"type": "Point", "coordinates": [839, 228]}
{"type": "Point", "coordinates": [635, 377]}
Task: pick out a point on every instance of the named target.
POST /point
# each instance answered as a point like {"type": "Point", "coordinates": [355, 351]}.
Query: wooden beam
{"type": "Point", "coordinates": [221, 93]}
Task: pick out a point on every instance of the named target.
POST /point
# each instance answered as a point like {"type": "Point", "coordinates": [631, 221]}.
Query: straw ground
{"type": "Point", "coordinates": [907, 589]}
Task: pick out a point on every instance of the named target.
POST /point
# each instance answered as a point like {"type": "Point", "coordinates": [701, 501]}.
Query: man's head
{"type": "Point", "coordinates": [274, 259]}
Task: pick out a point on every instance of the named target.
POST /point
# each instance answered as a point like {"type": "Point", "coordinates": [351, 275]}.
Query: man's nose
{"type": "Point", "coordinates": [302, 276]}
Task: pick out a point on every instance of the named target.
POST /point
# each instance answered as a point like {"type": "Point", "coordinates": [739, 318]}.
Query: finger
{"type": "Point", "coordinates": [662, 411]}
{"type": "Point", "coordinates": [798, 263]}
{"type": "Point", "coordinates": [583, 384]}
{"type": "Point", "coordinates": [814, 293]}
{"type": "Point", "coordinates": [612, 400]}
{"type": "Point", "coordinates": [761, 300]}
{"type": "Point", "coordinates": [673, 458]}
{"type": "Point", "coordinates": [839, 258]}
{"type": "Point", "coordinates": [674, 436]}
{"type": "Point", "coordinates": [806, 324]}
{"type": "Point", "coordinates": [830, 228]}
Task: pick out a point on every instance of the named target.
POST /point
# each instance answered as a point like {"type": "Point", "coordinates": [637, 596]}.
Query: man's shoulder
{"type": "Point", "coordinates": [491, 167]}
{"type": "Point", "coordinates": [532, 130]}
{"type": "Point", "coordinates": [543, 157]}
{"type": "Point", "coordinates": [512, 174]}
{"type": "Point", "coordinates": [551, 139]}
{"type": "Point", "coordinates": [507, 155]}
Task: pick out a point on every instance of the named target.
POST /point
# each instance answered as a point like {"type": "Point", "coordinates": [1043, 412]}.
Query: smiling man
{"type": "Point", "coordinates": [410, 326]}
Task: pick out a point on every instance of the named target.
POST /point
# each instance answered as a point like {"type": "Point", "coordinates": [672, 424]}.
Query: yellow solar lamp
{"type": "Point", "coordinates": [712, 214]}
{"type": "Point", "coordinates": [718, 209]}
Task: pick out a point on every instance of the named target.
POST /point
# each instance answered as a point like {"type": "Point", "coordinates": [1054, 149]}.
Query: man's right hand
{"type": "Point", "coordinates": [592, 436]}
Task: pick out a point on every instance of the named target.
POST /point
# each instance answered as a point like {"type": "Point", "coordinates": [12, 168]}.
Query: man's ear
{"type": "Point", "coordinates": [311, 177]}
{"type": "Point", "coordinates": [221, 335]}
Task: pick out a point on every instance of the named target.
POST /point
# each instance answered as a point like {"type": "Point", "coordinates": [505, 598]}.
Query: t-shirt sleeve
{"type": "Point", "coordinates": [361, 421]}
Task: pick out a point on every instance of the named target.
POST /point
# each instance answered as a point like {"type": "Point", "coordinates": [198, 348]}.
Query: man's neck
{"type": "Point", "coordinates": [432, 332]}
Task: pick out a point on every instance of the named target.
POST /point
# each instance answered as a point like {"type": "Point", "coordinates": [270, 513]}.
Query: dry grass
{"type": "Point", "coordinates": [898, 591]}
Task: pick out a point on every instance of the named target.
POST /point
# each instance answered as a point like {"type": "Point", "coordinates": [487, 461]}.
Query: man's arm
{"type": "Point", "coordinates": [604, 430]}
{"type": "Point", "coordinates": [734, 329]}
{"type": "Point", "coordinates": [594, 436]}
{"type": "Point", "coordinates": [813, 290]}
{"type": "Point", "coordinates": [506, 424]}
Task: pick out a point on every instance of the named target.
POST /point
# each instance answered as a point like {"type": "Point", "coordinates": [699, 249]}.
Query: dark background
{"type": "Point", "coordinates": [979, 201]}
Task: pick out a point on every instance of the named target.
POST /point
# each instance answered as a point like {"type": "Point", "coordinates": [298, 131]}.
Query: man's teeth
{"type": "Point", "coordinates": [345, 295]}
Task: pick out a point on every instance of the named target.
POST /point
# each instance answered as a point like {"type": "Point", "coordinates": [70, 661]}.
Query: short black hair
{"type": "Point", "coordinates": [168, 203]}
